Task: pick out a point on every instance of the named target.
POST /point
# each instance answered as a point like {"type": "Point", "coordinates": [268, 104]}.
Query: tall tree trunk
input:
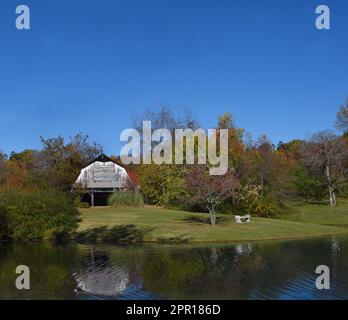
{"type": "Point", "coordinates": [212, 217]}
{"type": "Point", "coordinates": [307, 199]}
{"type": "Point", "coordinates": [261, 182]}
{"type": "Point", "coordinates": [331, 189]}
{"type": "Point", "coordinates": [334, 198]}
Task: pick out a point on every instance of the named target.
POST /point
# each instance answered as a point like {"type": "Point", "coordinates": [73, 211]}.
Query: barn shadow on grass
{"type": "Point", "coordinates": [122, 235]}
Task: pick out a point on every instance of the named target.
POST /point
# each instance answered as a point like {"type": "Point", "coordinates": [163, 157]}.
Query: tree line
{"type": "Point", "coordinates": [261, 176]}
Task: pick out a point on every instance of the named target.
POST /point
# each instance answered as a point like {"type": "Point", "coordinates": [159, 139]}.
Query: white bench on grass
{"type": "Point", "coordinates": [243, 219]}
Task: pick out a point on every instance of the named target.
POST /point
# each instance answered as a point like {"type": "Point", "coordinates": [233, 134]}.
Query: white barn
{"type": "Point", "coordinates": [100, 179]}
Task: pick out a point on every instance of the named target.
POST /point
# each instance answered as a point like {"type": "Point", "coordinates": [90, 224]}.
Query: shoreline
{"type": "Point", "coordinates": [237, 241]}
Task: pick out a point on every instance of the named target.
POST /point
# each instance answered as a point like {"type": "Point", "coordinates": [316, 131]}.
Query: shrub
{"type": "Point", "coordinates": [248, 200]}
{"type": "Point", "coordinates": [127, 199]}
{"type": "Point", "coordinates": [84, 205]}
{"type": "Point", "coordinates": [265, 209]}
{"type": "Point", "coordinates": [36, 214]}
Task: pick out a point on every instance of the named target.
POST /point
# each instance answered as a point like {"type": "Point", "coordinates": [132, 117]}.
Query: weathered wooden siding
{"type": "Point", "coordinates": [102, 175]}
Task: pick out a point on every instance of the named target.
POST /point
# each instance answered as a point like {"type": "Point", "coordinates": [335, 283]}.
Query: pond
{"type": "Point", "coordinates": [260, 270]}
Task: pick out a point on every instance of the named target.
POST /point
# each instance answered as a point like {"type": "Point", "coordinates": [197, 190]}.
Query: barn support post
{"type": "Point", "coordinates": [92, 199]}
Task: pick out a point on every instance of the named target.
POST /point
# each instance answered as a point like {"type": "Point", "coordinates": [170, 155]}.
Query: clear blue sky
{"type": "Point", "coordinates": [88, 65]}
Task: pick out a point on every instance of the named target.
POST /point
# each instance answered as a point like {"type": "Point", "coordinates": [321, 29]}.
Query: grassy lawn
{"type": "Point", "coordinates": [318, 213]}
{"type": "Point", "coordinates": [192, 226]}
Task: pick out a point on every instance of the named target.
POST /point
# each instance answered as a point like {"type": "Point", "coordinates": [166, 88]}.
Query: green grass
{"type": "Point", "coordinates": [185, 225]}
{"type": "Point", "coordinates": [321, 214]}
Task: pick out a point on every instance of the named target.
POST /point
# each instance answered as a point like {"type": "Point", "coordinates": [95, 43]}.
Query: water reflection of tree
{"type": "Point", "coordinates": [339, 258]}
{"type": "Point", "coordinates": [203, 273]}
{"type": "Point", "coordinates": [223, 273]}
{"type": "Point", "coordinates": [49, 269]}
{"type": "Point", "coordinates": [292, 264]}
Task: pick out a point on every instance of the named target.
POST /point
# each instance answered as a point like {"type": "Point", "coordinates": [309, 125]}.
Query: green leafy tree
{"type": "Point", "coordinates": [342, 117]}
{"type": "Point", "coordinates": [307, 186]}
{"type": "Point", "coordinates": [2, 168]}
{"type": "Point", "coordinates": [162, 185]}
{"type": "Point", "coordinates": [269, 168]}
{"type": "Point", "coordinates": [60, 162]}
{"type": "Point", "coordinates": [31, 215]}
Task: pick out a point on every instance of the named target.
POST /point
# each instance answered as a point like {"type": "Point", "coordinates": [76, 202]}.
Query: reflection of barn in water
{"type": "Point", "coordinates": [101, 178]}
{"type": "Point", "coordinates": [98, 276]}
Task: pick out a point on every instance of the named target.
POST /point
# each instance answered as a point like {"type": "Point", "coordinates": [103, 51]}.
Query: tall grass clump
{"type": "Point", "coordinates": [126, 199]}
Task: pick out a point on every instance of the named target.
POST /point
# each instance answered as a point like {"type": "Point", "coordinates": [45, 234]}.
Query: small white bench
{"type": "Point", "coordinates": [243, 219]}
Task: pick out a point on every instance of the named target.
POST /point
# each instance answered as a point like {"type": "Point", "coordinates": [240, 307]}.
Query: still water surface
{"type": "Point", "coordinates": [260, 270]}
